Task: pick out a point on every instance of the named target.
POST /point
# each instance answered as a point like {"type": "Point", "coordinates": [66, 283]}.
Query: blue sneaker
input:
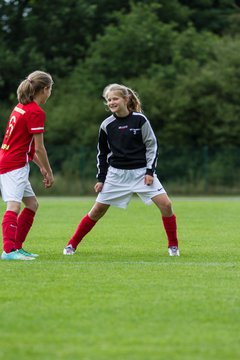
{"type": "Point", "coordinates": [15, 255]}
{"type": "Point", "coordinates": [26, 253]}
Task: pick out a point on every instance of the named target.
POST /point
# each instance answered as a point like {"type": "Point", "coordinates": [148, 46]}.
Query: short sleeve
{"type": "Point", "coordinates": [35, 122]}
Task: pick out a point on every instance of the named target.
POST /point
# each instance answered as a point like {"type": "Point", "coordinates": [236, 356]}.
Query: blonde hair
{"type": "Point", "coordinates": [134, 103]}
{"type": "Point", "coordinates": [32, 85]}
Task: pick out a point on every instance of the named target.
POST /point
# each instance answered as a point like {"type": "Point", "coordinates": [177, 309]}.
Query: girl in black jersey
{"type": "Point", "coordinates": [126, 161]}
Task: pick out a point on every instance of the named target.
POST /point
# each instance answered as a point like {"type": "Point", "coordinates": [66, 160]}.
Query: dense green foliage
{"type": "Point", "coordinates": [182, 57]}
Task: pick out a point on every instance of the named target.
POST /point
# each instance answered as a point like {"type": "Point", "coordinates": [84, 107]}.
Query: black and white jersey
{"type": "Point", "coordinates": [126, 143]}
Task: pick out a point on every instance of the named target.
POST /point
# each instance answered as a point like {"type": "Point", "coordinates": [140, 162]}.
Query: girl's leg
{"type": "Point", "coordinates": [87, 223]}
{"type": "Point", "coordinates": [169, 219]}
{"type": "Point", "coordinates": [9, 226]}
{"type": "Point", "coordinates": [25, 220]}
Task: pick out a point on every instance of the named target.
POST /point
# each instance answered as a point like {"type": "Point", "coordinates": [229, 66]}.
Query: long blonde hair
{"type": "Point", "coordinates": [32, 85]}
{"type": "Point", "coordinates": [134, 103]}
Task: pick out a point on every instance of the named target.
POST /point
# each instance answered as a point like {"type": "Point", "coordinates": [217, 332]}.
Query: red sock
{"type": "Point", "coordinates": [9, 228]}
{"type": "Point", "coordinates": [24, 223]}
{"type": "Point", "coordinates": [83, 228]}
{"type": "Point", "coordinates": [170, 226]}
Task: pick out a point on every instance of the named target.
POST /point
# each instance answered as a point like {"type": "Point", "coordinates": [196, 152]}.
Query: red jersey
{"type": "Point", "coordinates": [18, 143]}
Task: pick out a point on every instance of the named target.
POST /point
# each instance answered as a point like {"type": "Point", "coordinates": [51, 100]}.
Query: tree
{"type": "Point", "coordinates": [204, 109]}
{"type": "Point", "coordinates": [49, 35]}
{"type": "Point", "coordinates": [212, 15]}
{"type": "Point", "coordinates": [117, 55]}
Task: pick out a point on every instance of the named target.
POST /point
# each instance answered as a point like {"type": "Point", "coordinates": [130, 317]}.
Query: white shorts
{"type": "Point", "coordinates": [15, 185]}
{"type": "Point", "coordinates": [120, 185]}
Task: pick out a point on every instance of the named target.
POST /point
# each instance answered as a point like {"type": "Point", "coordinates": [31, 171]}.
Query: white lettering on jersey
{"type": "Point", "coordinates": [20, 111]}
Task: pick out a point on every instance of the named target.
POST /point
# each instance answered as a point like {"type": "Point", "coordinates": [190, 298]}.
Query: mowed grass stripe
{"type": "Point", "coordinates": [146, 263]}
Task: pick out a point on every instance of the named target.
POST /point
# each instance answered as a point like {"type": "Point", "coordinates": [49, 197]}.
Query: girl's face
{"type": "Point", "coordinates": [46, 92]}
{"type": "Point", "coordinates": [117, 103]}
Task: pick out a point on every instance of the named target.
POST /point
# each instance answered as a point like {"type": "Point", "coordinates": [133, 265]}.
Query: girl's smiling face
{"type": "Point", "coordinates": [117, 103]}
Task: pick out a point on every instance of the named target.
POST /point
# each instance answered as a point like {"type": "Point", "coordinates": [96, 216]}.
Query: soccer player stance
{"type": "Point", "coordinates": [23, 141]}
{"type": "Point", "coordinates": [126, 160]}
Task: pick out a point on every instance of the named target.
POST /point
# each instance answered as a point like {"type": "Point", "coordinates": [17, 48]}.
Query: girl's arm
{"type": "Point", "coordinates": [151, 144]}
{"type": "Point", "coordinates": [39, 164]}
{"type": "Point", "coordinates": [41, 159]}
{"type": "Point", "coordinates": [103, 151]}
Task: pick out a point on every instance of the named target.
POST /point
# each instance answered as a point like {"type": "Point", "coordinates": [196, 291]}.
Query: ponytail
{"type": "Point", "coordinates": [134, 103]}
{"type": "Point", "coordinates": [32, 85]}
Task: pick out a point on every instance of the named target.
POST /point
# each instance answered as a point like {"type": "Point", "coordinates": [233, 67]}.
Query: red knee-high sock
{"type": "Point", "coordinates": [9, 228]}
{"type": "Point", "coordinates": [170, 226]}
{"type": "Point", "coordinates": [83, 228]}
{"type": "Point", "coordinates": [24, 224]}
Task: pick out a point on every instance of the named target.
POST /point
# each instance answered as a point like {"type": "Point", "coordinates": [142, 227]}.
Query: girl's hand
{"type": "Point", "coordinates": [148, 180]}
{"type": "Point", "coordinates": [98, 187]}
{"type": "Point", "coordinates": [48, 180]}
{"type": "Point", "coordinates": [43, 171]}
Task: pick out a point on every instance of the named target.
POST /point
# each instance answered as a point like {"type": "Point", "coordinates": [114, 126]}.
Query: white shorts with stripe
{"type": "Point", "coordinates": [15, 185]}
{"type": "Point", "coordinates": [120, 185]}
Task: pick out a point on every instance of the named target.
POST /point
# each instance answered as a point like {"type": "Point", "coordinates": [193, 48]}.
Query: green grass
{"type": "Point", "coordinates": [120, 296]}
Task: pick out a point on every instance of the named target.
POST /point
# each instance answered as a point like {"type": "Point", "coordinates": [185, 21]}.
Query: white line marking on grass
{"type": "Point", "coordinates": [147, 263]}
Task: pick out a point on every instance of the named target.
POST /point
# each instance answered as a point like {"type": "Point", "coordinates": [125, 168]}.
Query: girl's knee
{"type": "Point", "coordinates": [168, 205]}
{"type": "Point", "coordinates": [164, 204]}
{"type": "Point", "coordinates": [32, 205]}
{"type": "Point", "coordinates": [13, 206]}
{"type": "Point", "coordinates": [98, 211]}
{"type": "Point", "coordinates": [36, 205]}
{"type": "Point", "coordinates": [167, 209]}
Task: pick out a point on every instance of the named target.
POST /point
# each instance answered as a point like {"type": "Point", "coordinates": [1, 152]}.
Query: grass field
{"type": "Point", "coordinates": [120, 296]}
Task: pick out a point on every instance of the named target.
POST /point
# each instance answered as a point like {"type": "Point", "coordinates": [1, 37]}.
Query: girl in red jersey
{"type": "Point", "coordinates": [126, 161]}
{"type": "Point", "coordinates": [23, 141]}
